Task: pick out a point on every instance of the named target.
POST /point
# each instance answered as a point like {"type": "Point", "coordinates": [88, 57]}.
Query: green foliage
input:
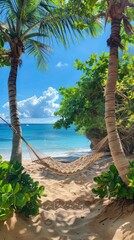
{"type": "Point", "coordinates": [34, 22]}
{"type": "Point", "coordinates": [3, 53]}
{"type": "Point", "coordinates": [3, 58]}
{"type": "Point", "coordinates": [18, 192]}
{"type": "Point", "coordinates": [110, 184]}
{"type": "Point", "coordinates": [93, 13]}
{"type": "Point", "coordinates": [87, 10]}
{"type": "Point", "coordinates": [84, 104]}
{"type": "Point", "coordinates": [131, 174]}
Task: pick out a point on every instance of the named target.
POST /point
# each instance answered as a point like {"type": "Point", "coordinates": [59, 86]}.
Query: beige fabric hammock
{"type": "Point", "coordinates": [64, 168]}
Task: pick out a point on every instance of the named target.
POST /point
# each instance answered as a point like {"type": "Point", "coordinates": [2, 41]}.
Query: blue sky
{"type": "Point", "coordinates": [37, 91]}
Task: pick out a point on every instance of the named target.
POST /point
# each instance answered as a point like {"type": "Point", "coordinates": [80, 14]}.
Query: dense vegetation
{"type": "Point", "coordinates": [84, 104]}
{"type": "Point", "coordinates": [110, 184]}
{"type": "Point", "coordinates": [18, 192]}
{"type": "Point", "coordinates": [3, 54]}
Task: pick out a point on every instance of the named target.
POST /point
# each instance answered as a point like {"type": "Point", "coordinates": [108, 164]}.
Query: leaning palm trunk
{"type": "Point", "coordinates": [16, 154]}
{"type": "Point", "coordinates": [113, 136]}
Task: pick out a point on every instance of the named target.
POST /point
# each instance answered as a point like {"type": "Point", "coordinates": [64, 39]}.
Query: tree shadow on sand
{"type": "Point", "coordinates": [97, 220]}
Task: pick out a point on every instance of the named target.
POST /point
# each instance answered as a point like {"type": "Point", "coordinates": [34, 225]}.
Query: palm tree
{"type": "Point", "coordinates": [116, 13]}
{"type": "Point", "coordinates": [26, 26]}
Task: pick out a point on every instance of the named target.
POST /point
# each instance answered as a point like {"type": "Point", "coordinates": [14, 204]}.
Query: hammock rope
{"type": "Point", "coordinates": [60, 167]}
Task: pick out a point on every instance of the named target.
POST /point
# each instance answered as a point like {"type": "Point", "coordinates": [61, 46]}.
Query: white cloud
{"type": "Point", "coordinates": [38, 107]}
{"type": "Point", "coordinates": [60, 64]}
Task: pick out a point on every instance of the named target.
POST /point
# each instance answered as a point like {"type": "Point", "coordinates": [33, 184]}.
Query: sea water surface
{"type": "Point", "coordinates": [46, 140]}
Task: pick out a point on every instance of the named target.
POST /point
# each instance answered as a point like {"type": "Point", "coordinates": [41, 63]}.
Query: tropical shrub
{"type": "Point", "coordinates": [110, 184]}
{"type": "Point", "coordinates": [84, 104]}
{"type": "Point", "coordinates": [18, 192]}
{"type": "Point", "coordinates": [4, 61]}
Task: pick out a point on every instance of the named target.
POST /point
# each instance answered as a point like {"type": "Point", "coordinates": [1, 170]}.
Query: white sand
{"type": "Point", "coordinates": [70, 211]}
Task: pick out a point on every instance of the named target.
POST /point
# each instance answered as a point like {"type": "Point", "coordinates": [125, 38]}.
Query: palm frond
{"type": "Point", "coordinates": [94, 26]}
{"type": "Point", "coordinates": [11, 26]}
{"type": "Point", "coordinates": [36, 34]}
{"type": "Point", "coordinates": [37, 19]}
{"type": "Point", "coordinates": [27, 11]}
{"type": "Point", "coordinates": [22, 13]}
{"type": "Point", "coordinates": [39, 50]}
{"type": "Point", "coordinates": [27, 14]}
{"type": "Point", "coordinates": [60, 25]}
{"type": "Point", "coordinates": [45, 6]}
{"type": "Point", "coordinates": [127, 26]}
{"type": "Point", "coordinates": [8, 7]}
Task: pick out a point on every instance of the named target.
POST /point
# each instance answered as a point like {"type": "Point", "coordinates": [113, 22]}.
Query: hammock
{"type": "Point", "coordinates": [59, 167]}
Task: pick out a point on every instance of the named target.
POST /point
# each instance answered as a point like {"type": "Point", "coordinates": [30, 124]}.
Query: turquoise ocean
{"type": "Point", "coordinates": [46, 140]}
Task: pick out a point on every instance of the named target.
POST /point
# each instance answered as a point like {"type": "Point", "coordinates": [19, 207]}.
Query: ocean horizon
{"type": "Point", "coordinates": [46, 140]}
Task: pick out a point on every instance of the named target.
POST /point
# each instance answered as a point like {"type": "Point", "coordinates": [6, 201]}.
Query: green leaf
{"type": "Point", "coordinates": [6, 200]}
{"type": "Point", "coordinates": [41, 189]}
{"type": "Point", "coordinates": [131, 183]}
{"type": "Point", "coordinates": [113, 169]}
{"type": "Point", "coordinates": [28, 197]}
{"type": "Point", "coordinates": [36, 184]}
{"type": "Point", "coordinates": [20, 200]}
{"type": "Point", "coordinates": [4, 214]}
{"type": "Point", "coordinates": [5, 165]}
{"type": "Point", "coordinates": [112, 185]}
{"type": "Point", "coordinates": [7, 188]}
{"type": "Point", "coordinates": [17, 188]}
{"type": "Point", "coordinates": [1, 43]}
{"type": "Point", "coordinates": [98, 180]}
{"type": "Point", "coordinates": [16, 167]}
{"type": "Point", "coordinates": [1, 183]}
{"type": "Point", "coordinates": [18, 191]}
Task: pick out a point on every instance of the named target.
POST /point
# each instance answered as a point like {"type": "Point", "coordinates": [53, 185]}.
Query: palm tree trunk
{"type": "Point", "coordinates": [16, 154]}
{"type": "Point", "coordinates": [116, 149]}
